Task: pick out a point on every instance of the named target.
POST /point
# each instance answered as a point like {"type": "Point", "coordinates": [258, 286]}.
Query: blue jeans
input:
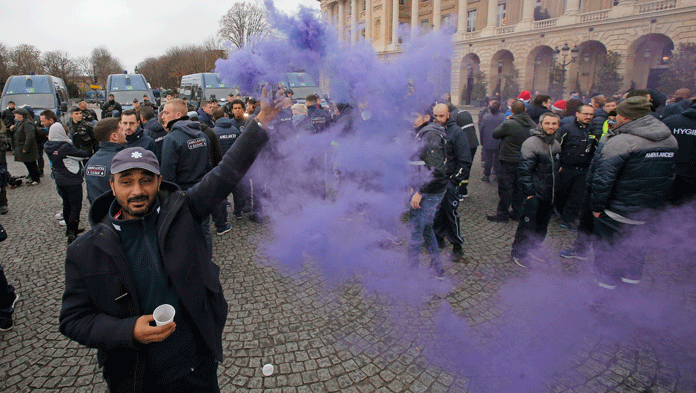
{"type": "Point", "coordinates": [421, 223]}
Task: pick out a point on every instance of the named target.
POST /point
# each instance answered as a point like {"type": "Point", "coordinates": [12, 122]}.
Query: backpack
{"type": "Point", "coordinates": [434, 151]}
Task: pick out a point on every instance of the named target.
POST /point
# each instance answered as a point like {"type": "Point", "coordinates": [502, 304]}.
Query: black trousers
{"type": "Point", "coordinates": [618, 257]}
{"type": "Point", "coordinates": [509, 190]}
{"type": "Point", "coordinates": [446, 223]}
{"type": "Point", "coordinates": [239, 198]}
{"type": "Point", "coordinates": [72, 204]}
{"type": "Point", "coordinates": [534, 223]}
{"type": "Point", "coordinates": [40, 160]}
{"type": "Point", "coordinates": [491, 160]}
{"type": "Point", "coordinates": [33, 170]}
{"type": "Point", "coordinates": [572, 183]}
{"type": "Point", "coordinates": [582, 242]}
{"type": "Point", "coordinates": [202, 379]}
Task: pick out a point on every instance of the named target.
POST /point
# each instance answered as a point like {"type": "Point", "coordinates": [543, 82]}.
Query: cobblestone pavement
{"type": "Point", "coordinates": [323, 339]}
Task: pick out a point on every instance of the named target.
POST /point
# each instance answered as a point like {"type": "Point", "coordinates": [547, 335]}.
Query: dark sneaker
{"type": "Point", "coordinates": [255, 217]}
{"type": "Point", "coordinates": [441, 243]}
{"type": "Point", "coordinates": [572, 253]}
{"type": "Point", "coordinates": [237, 215]}
{"type": "Point", "coordinates": [521, 262]}
{"type": "Point", "coordinates": [457, 253]}
{"type": "Point", "coordinates": [537, 256]}
{"type": "Point", "coordinates": [3, 209]}
{"type": "Point", "coordinates": [6, 325]}
{"type": "Point", "coordinates": [224, 230]}
{"type": "Point", "coordinates": [497, 218]}
{"type": "Point", "coordinates": [486, 179]}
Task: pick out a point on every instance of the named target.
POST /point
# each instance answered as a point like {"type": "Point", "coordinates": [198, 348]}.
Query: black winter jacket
{"type": "Point", "coordinates": [98, 170]}
{"type": "Point", "coordinates": [101, 301]}
{"type": "Point", "coordinates": [538, 170]}
{"type": "Point", "coordinates": [140, 139]}
{"type": "Point", "coordinates": [512, 133]}
{"type": "Point", "coordinates": [633, 167]}
{"type": "Point", "coordinates": [66, 162]}
{"type": "Point", "coordinates": [458, 153]}
{"type": "Point", "coordinates": [597, 123]}
{"type": "Point", "coordinates": [466, 123]}
{"type": "Point", "coordinates": [683, 127]}
{"type": "Point", "coordinates": [154, 130]}
{"type": "Point", "coordinates": [535, 112]}
{"type": "Point", "coordinates": [430, 160]}
{"type": "Point", "coordinates": [577, 145]}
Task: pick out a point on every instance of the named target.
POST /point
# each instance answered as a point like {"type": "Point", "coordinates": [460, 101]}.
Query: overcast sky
{"type": "Point", "coordinates": [132, 30]}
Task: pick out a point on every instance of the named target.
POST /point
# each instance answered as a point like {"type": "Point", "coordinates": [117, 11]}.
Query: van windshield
{"type": "Point", "coordinates": [126, 97]}
{"type": "Point", "coordinates": [35, 101]}
{"type": "Point", "coordinates": [221, 93]}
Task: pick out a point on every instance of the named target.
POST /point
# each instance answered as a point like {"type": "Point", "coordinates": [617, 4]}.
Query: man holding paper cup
{"type": "Point", "coordinates": [147, 248]}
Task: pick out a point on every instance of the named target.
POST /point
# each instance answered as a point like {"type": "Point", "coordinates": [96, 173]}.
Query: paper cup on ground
{"type": "Point", "coordinates": [267, 369]}
{"type": "Point", "coordinates": [164, 314]}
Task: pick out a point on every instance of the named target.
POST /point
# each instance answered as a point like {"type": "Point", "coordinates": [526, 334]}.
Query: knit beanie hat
{"type": "Point", "coordinates": [634, 107]}
{"type": "Point", "coordinates": [559, 105]}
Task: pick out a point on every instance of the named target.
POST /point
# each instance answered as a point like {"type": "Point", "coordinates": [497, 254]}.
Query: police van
{"type": "Point", "coordinates": [127, 87]}
{"type": "Point", "coordinates": [302, 85]}
{"type": "Point", "coordinates": [203, 86]}
{"type": "Point", "coordinates": [40, 92]}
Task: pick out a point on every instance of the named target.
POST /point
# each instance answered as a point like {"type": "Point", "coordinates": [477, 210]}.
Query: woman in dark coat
{"type": "Point", "coordinates": [25, 148]}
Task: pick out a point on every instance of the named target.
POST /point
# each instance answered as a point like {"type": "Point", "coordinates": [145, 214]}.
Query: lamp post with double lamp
{"type": "Point", "coordinates": [564, 52]}
{"type": "Point", "coordinates": [500, 77]}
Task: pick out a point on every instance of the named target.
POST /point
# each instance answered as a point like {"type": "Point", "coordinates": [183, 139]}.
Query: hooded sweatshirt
{"type": "Point", "coordinates": [65, 158]}
{"type": "Point", "coordinates": [185, 154]}
{"type": "Point", "coordinates": [226, 134]}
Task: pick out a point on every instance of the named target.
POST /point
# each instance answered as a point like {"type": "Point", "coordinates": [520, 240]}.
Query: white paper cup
{"type": "Point", "coordinates": [267, 370]}
{"type": "Point", "coordinates": [163, 314]}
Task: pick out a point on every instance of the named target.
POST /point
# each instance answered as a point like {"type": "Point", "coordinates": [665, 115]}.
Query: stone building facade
{"type": "Point", "coordinates": [503, 38]}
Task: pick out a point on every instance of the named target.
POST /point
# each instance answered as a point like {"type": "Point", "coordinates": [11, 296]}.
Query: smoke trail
{"type": "Point", "coordinates": [336, 199]}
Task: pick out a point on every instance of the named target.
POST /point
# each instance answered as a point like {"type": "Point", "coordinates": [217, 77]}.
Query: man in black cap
{"type": "Point", "coordinates": [147, 248]}
{"type": "Point", "coordinates": [111, 108]}
{"type": "Point", "coordinates": [630, 176]}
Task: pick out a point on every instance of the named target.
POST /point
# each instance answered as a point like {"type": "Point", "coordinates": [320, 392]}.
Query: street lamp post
{"type": "Point", "coordinates": [537, 61]}
{"type": "Point", "coordinates": [564, 52]}
{"type": "Point", "coordinates": [500, 76]}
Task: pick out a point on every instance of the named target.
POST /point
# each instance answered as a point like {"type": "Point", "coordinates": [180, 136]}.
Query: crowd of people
{"type": "Point", "coordinates": [156, 177]}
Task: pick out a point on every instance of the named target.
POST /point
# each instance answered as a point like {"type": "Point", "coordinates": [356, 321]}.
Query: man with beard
{"type": "Point", "coordinates": [88, 115]}
{"type": "Point", "coordinates": [446, 222]}
{"type": "Point", "coordinates": [111, 108]}
{"type": "Point", "coordinates": [147, 248]}
{"type": "Point", "coordinates": [134, 133]}
{"type": "Point", "coordinates": [538, 172]}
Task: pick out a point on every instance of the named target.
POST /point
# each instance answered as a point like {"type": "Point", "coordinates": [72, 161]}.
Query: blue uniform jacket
{"type": "Point", "coordinates": [185, 154]}
{"type": "Point", "coordinates": [98, 170]}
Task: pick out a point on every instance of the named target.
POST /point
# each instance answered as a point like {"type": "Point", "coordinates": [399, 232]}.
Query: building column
{"type": "Point", "coordinates": [492, 14]}
{"type": "Point", "coordinates": [353, 21]}
{"type": "Point", "coordinates": [368, 20]}
{"type": "Point", "coordinates": [414, 18]}
{"type": "Point", "coordinates": [341, 19]}
{"type": "Point", "coordinates": [395, 22]}
{"type": "Point", "coordinates": [528, 10]}
{"type": "Point", "coordinates": [462, 16]}
{"type": "Point", "coordinates": [437, 14]}
{"type": "Point", "coordinates": [572, 7]}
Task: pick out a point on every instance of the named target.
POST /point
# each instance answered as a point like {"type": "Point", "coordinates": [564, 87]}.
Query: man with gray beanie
{"type": "Point", "coordinates": [147, 248]}
{"type": "Point", "coordinates": [630, 176]}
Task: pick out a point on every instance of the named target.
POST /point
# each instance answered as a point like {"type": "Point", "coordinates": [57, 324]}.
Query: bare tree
{"type": "Point", "coordinates": [24, 59]}
{"type": "Point", "coordinates": [4, 71]}
{"type": "Point", "coordinates": [244, 24]}
{"type": "Point", "coordinates": [103, 64]}
{"type": "Point", "coordinates": [59, 63]}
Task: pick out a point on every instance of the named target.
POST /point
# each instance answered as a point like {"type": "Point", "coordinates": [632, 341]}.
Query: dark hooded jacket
{"type": "Point", "coordinates": [82, 134]}
{"type": "Point", "coordinates": [683, 127]}
{"type": "Point", "coordinates": [205, 118]}
{"type": "Point", "coordinates": [633, 167]}
{"type": "Point", "coordinates": [238, 124]}
{"type": "Point", "coordinates": [185, 154]}
{"type": "Point", "coordinates": [431, 159]}
{"type": "Point", "coordinates": [512, 133]}
{"type": "Point", "coordinates": [597, 123]}
{"type": "Point", "coordinates": [98, 170]}
{"type": "Point", "coordinates": [101, 302]}
{"type": "Point", "coordinates": [458, 154]}
{"type": "Point", "coordinates": [466, 123]}
{"type": "Point", "coordinates": [154, 130]}
{"type": "Point", "coordinates": [25, 140]}
{"type": "Point", "coordinates": [66, 161]}
{"type": "Point", "coordinates": [539, 167]}
{"type": "Point", "coordinates": [487, 124]}
{"type": "Point", "coordinates": [535, 112]}
{"type": "Point", "coordinates": [226, 134]}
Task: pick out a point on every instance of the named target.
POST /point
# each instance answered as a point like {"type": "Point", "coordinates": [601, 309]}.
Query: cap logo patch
{"type": "Point", "coordinates": [136, 154]}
